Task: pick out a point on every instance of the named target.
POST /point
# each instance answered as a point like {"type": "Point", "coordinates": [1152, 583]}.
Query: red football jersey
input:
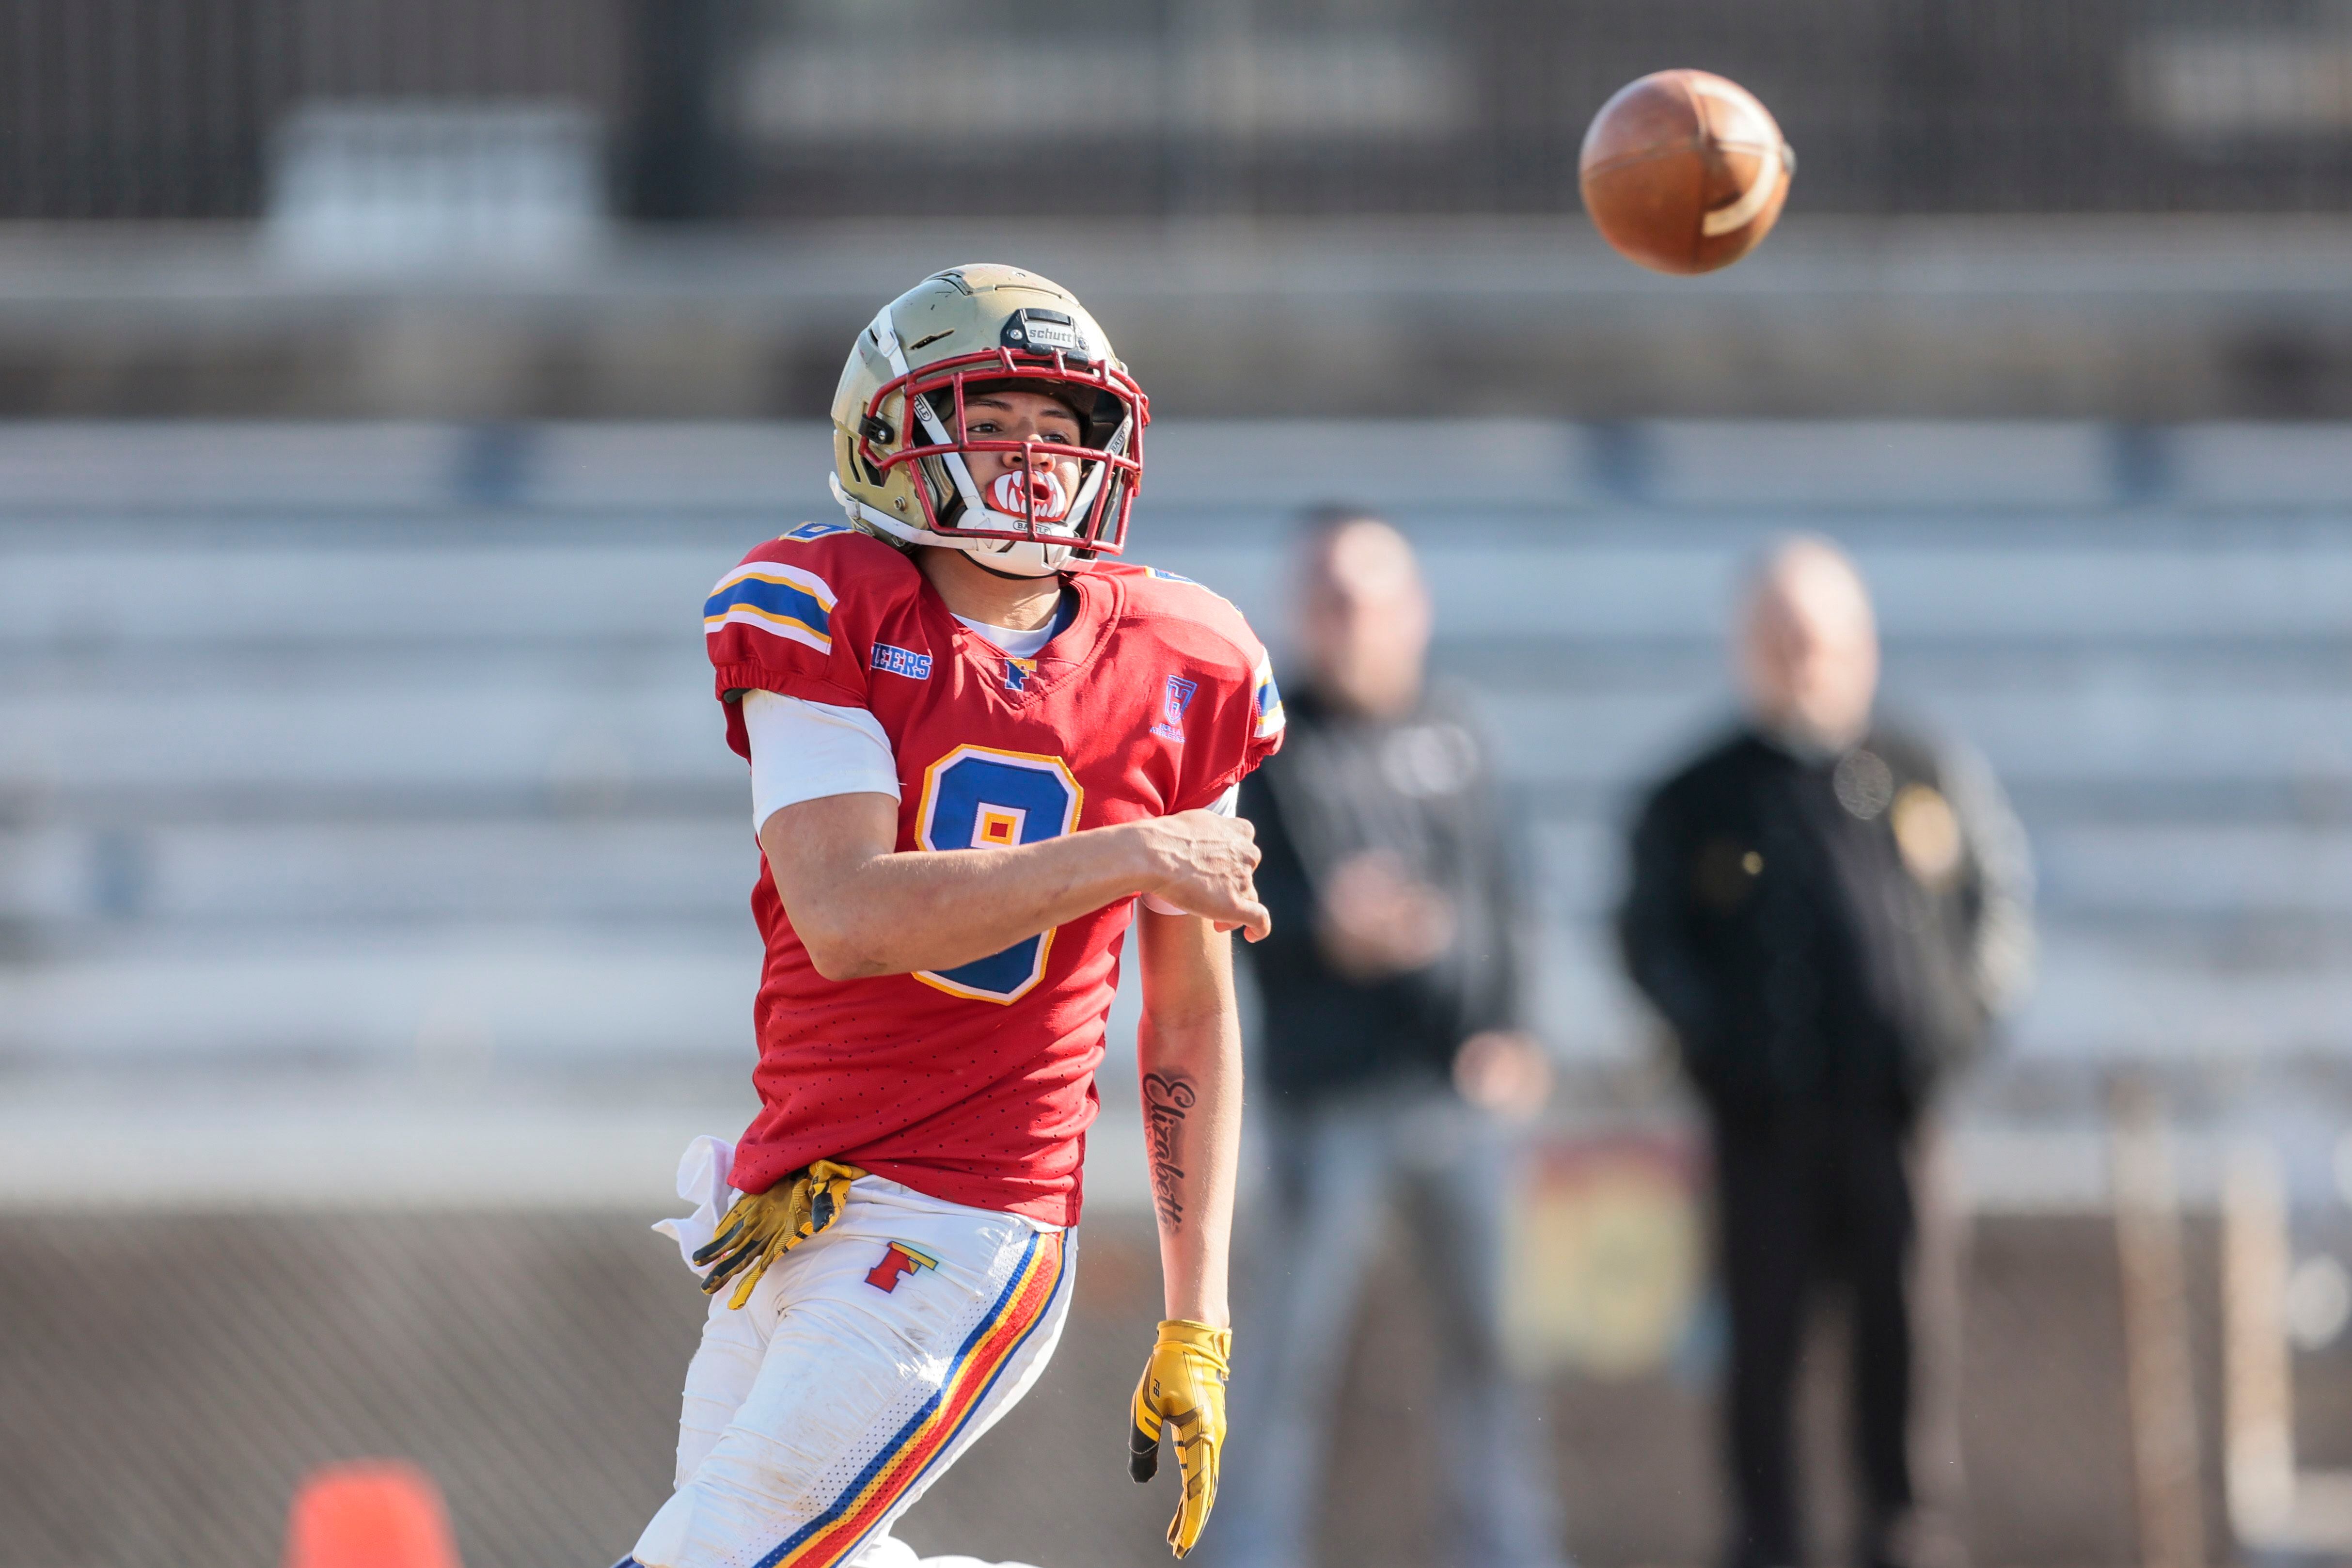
{"type": "Point", "coordinates": [976, 1084]}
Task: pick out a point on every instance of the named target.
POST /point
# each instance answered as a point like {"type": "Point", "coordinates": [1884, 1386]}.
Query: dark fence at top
{"type": "Point", "coordinates": [165, 109]}
{"type": "Point", "coordinates": [778, 109]}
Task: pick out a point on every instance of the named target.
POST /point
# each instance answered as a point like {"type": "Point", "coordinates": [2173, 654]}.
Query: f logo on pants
{"type": "Point", "coordinates": [897, 1259]}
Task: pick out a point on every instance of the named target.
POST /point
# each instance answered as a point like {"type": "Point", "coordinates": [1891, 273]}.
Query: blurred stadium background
{"type": "Point", "coordinates": [387, 382]}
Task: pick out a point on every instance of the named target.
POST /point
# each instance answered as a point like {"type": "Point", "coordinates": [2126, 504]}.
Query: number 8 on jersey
{"type": "Point", "coordinates": [978, 797]}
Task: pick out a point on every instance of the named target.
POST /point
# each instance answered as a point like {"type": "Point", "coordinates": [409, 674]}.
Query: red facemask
{"type": "Point", "coordinates": [1093, 519]}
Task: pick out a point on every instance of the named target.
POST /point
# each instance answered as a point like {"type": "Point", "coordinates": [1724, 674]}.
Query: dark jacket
{"type": "Point", "coordinates": [1421, 788]}
{"type": "Point", "coordinates": [1835, 929]}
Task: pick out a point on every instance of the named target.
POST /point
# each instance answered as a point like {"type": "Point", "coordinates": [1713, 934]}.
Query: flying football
{"type": "Point", "coordinates": [1685, 171]}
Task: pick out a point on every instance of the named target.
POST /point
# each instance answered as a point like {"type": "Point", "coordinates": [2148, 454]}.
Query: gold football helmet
{"type": "Point", "coordinates": [899, 442]}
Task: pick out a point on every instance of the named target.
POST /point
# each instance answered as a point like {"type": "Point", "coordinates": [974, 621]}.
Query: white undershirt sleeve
{"type": "Point", "coordinates": [1223, 805]}
{"type": "Point", "coordinates": [803, 751]}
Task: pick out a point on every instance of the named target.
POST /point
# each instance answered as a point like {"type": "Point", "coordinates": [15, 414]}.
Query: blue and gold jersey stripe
{"type": "Point", "coordinates": [1269, 702]}
{"type": "Point", "coordinates": [784, 601]}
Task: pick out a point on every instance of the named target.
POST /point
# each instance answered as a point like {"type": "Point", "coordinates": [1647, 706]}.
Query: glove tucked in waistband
{"type": "Point", "coordinates": [760, 1227]}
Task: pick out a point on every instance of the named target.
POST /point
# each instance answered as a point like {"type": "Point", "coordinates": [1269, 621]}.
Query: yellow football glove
{"type": "Point", "coordinates": [760, 1227]}
{"type": "Point", "coordinates": [1183, 1388]}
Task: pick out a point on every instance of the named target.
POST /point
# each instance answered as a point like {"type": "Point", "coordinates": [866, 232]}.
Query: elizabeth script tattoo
{"type": "Point", "coordinates": [1167, 1098]}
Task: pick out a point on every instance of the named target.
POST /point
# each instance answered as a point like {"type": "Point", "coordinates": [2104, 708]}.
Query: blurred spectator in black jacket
{"type": "Point", "coordinates": [1830, 911]}
{"type": "Point", "coordinates": [1395, 1057]}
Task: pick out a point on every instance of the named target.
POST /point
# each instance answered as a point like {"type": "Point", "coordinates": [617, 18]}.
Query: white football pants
{"type": "Point", "coordinates": [867, 1360]}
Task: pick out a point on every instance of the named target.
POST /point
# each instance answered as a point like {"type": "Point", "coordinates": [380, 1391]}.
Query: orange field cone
{"type": "Point", "coordinates": [369, 1513]}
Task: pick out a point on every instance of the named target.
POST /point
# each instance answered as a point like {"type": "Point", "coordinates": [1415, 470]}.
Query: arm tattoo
{"type": "Point", "coordinates": [1167, 1097]}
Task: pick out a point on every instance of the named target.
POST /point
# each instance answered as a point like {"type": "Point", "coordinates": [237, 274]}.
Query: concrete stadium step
{"type": "Point", "coordinates": [452, 999]}
{"type": "Point", "coordinates": [2033, 465]}
{"type": "Point", "coordinates": [2055, 591]}
{"type": "Point", "coordinates": [594, 732]}
{"type": "Point", "coordinates": [549, 585]}
{"type": "Point", "coordinates": [2088, 874]}
{"type": "Point", "coordinates": [328, 592]}
{"type": "Point", "coordinates": [566, 997]}
{"type": "Point", "coordinates": [635, 871]}
{"type": "Point", "coordinates": [2102, 999]}
{"type": "Point", "coordinates": [592, 870]}
{"type": "Point", "coordinates": [593, 737]}
{"type": "Point", "coordinates": [248, 467]}
{"type": "Point", "coordinates": [2117, 734]}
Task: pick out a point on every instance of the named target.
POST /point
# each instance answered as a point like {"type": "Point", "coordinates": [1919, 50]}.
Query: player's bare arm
{"type": "Point", "coordinates": [1188, 1053]}
{"type": "Point", "coordinates": [863, 910]}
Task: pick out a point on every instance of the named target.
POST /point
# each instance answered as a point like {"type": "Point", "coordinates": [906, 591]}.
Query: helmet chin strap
{"type": "Point", "coordinates": [1015, 577]}
{"type": "Point", "coordinates": [1014, 557]}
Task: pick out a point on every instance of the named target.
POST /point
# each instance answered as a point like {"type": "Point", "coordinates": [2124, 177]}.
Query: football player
{"type": "Point", "coordinates": [977, 741]}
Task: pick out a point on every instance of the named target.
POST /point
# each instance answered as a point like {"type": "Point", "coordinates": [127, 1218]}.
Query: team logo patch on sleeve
{"type": "Point", "coordinates": [813, 531]}
{"type": "Point", "coordinates": [903, 661]}
{"type": "Point", "coordinates": [1269, 702]}
{"type": "Point", "coordinates": [768, 596]}
{"type": "Point", "coordinates": [1173, 703]}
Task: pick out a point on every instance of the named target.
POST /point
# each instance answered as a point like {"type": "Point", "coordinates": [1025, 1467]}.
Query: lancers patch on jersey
{"type": "Point", "coordinates": [897, 1259]}
{"type": "Point", "coordinates": [903, 661]}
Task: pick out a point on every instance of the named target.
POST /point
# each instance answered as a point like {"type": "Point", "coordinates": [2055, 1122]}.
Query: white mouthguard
{"type": "Point", "coordinates": [1047, 500]}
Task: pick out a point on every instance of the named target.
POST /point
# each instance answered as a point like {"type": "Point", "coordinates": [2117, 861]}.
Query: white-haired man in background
{"type": "Point", "coordinates": [1830, 911]}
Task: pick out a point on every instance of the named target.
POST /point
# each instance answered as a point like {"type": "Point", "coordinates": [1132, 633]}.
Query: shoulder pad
{"type": "Point", "coordinates": [851, 560]}
{"type": "Point", "coordinates": [1155, 592]}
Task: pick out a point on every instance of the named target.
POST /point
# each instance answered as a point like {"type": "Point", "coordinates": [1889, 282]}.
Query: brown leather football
{"type": "Point", "coordinates": [1684, 171]}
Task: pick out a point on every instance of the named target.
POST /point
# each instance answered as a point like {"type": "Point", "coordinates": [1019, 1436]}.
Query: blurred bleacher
{"type": "Point", "coordinates": [363, 812]}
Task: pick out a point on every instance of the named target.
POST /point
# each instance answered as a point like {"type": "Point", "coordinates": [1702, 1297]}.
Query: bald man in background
{"type": "Point", "coordinates": [1830, 911]}
{"type": "Point", "coordinates": [1395, 1063]}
